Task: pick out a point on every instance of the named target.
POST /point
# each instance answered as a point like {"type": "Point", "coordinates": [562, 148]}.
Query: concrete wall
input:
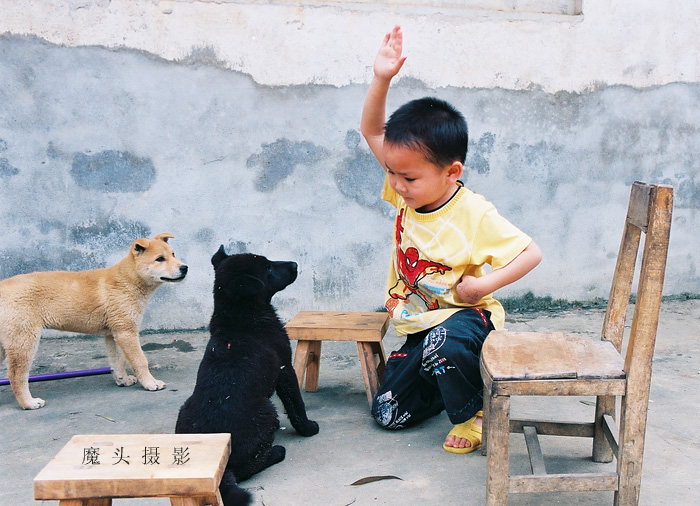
{"type": "Point", "coordinates": [236, 123]}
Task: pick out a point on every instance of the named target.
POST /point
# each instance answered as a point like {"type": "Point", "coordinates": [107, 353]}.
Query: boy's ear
{"type": "Point", "coordinates": [454, 171]}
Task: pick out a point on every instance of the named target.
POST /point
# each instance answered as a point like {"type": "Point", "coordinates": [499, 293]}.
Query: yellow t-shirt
{"type": "Point", "coordinates": [432, 251]}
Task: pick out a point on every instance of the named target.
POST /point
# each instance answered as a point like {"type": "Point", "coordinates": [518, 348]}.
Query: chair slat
{"type": "Point", "coordinates": [640, 203]}
{"type": "Point", "coordinates": [575, 482]}
{"type": "Point", "coordinates": [553, 428]}
{"type": "Point", "coordinates": [534, 450]}
{"type": "Point", "coordinates": [611, 433]}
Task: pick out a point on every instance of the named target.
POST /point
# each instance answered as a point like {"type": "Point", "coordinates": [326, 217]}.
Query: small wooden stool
{"type": "Point", "coordinates": [92, 469]}
{"type": "Point", "coordinates": [310, 328]}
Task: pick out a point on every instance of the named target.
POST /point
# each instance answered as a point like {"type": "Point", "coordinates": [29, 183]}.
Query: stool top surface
{"type": "Point", "coordinates": [338, 326]}
{"type": "Point", "coordinates": [135, 465]}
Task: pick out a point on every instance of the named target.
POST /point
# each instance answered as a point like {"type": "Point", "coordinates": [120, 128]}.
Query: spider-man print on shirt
{"type": "Point", "coordinates": [411, 269]}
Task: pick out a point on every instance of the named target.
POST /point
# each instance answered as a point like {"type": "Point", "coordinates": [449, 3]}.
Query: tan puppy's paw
{"type": "Point", "coordinates": [153, 385]}
{"type": "Point", "coordinates": [34, 403]}
{"type": "Point", "coordinates": [125, 381]}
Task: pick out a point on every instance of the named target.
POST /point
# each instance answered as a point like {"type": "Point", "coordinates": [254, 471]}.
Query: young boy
{"type": "Point", "coordinates": [438, 293]}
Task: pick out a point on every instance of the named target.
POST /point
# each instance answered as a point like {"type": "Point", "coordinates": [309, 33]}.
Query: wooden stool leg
{"type": "Point", "coordinates": [301, 359]}
{"type": "Point", "coordinates": [380, 360]}
{"type": "Point", "coordinates": [307, 363]}
{"type": "Point", "coordinates": [369, 367]}
{"type": "Point", "coordinates": [196, 501]}
{"type": "Point", "coordinates": [497, 481]}
{"type": "Point", "coordinates": [313, 366]}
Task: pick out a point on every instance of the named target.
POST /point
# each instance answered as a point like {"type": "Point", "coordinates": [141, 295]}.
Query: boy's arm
{"type": "Point", "coordinates": [471, 289]}
{"type": "Point", "coordinates": [386, 65]}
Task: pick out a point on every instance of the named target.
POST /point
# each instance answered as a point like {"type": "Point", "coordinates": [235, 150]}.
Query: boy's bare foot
{"type": "Point", "coordinates": [465, 437]}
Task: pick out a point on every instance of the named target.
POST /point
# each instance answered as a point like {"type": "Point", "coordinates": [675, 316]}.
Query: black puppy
{"type": "Point", "coordinates": [247, 359]}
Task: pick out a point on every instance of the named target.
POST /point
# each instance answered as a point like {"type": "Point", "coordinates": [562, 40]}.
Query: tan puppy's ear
{"type": "Point", "coordinates": [139, 246]}
{"type": "Point", "coordinates": [164, 237]}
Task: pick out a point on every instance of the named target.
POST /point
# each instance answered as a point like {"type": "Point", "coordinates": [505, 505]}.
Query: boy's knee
{"type": "Point", "coordinates": [385, 411]}
{"type": "Point", "coordinates": [435, 353]}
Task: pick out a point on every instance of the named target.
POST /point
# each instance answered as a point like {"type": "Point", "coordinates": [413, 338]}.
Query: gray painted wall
{"type": "Point", "coordinates": [101, 146]}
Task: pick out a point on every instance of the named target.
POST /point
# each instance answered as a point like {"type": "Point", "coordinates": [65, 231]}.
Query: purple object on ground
{"type": "Point", "coordinates": [61, 375]}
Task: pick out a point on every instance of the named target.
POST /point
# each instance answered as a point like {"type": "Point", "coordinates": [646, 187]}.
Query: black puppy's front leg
{"type": "Point", "coordinates": [288, 391]}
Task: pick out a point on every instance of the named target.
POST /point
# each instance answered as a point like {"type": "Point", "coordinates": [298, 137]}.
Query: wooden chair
{"type": "Point", "coordinates": [311, 328]}
{"type": "Point", "coordinates": [553, 364]}
{"type": "Point", "coordinates": [91, 470]}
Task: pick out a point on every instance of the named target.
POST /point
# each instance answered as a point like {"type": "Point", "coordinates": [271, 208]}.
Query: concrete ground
{"type": "Point", "coordinates": [321, 470]}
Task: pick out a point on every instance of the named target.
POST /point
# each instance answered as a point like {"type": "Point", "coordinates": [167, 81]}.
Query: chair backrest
{"type": "Point", "coordinates": [649, 213]}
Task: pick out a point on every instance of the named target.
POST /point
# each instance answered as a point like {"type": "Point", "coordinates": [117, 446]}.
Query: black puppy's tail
{"type": "Point", "coordinates": [231, 493]}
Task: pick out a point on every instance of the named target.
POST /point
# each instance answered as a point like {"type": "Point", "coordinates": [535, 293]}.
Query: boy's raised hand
{"type": "Point", "coordinates": [389, 60]}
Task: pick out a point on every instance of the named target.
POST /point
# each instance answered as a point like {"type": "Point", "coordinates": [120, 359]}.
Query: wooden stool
{"type": "Point", "coordinates": [92, 469]}
{"type": "Point", "coordinates": [310, 328]}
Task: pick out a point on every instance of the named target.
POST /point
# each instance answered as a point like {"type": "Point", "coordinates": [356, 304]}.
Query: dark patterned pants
{"type": "Point", "coordinates": [434, 370]}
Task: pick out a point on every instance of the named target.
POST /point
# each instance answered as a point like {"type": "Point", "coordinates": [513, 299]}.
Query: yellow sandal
{"type": "Point", "coordinates": [468, 431]}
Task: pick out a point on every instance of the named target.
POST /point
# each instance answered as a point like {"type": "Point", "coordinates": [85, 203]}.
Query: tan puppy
{"type": "Point", "coordinates": [108, 302]}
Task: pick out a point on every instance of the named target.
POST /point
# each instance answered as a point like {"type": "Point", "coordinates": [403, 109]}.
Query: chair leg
{"type": "Point", "coordinates": [485, 424]}
{"type": "Point", "coordinates": [631, 452]}
{"type": "Point", "coordinates": [497, 480]}
{"type": "Point", "coordinates": [602, 451]}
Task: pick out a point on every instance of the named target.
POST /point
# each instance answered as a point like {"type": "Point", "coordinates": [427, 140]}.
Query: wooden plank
{"type": "Point", "coordinates": [553, 428]}
{"type": "Point", "coordinates": [595, 358]}
{"type": "Point", "coordinates": [605, 407]}
{"type": "Point", "coordinates": [338, 326]}
{"type": "Point", "coordinates": [528, 356]}
{"type": "Point", "coordinates": [640, 348]}
{"type": "Point", "coordinates": [534, 451]}
{"type": "Point", "coordinates": [560, 387]}
{"type": "Point", "coordinates": [638, 210]}
{"type": "Point", "coordinates": [621, 288]}
{"type": "Point", "coordinates": [86, 502]}
{"type": "Point", "coordinates": [611, 433]}
{"type": "Point", "coordinates": [550, 355]}
{"type": "Point", "coordinates": [69, 475]}
{"type": "Point", "coordinates": [575, 482]}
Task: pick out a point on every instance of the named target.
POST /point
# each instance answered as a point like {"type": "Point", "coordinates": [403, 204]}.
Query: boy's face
{"type": "Point", "coordinates": [422, 184]}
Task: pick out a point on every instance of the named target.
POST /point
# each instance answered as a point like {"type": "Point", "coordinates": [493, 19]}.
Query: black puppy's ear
{"type": "Point", "coordinates": [218, 256]}
{"type": "Point", "coordinates": [249, 285]}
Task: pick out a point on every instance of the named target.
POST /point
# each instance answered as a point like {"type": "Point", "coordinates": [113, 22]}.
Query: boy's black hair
{"type": "Point", "coordinates": [431, 126]}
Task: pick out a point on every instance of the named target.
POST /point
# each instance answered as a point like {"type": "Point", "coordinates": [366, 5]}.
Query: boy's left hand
{"type": "Point", "coordinates": [470, 290]}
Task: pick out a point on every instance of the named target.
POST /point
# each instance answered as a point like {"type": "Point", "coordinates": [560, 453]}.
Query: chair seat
{"type": "Point", "coordinates": [540, 363]}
